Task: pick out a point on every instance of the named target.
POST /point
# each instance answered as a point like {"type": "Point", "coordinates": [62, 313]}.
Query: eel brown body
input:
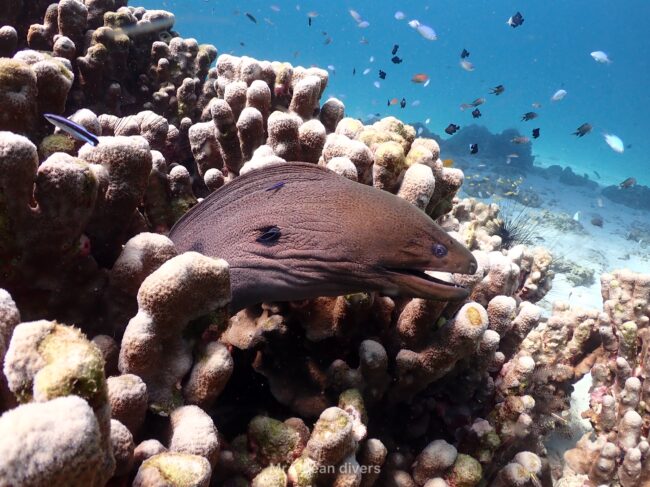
{"type": "Point", "coordinates": [297, 231]}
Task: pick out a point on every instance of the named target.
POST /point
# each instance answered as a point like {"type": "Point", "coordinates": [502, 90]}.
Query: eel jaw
{"type": "Point", "coordinates": [422, 284]}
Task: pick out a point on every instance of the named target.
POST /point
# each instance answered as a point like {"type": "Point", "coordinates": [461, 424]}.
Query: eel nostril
{"type": "Point", "coordinates": [472, 267]}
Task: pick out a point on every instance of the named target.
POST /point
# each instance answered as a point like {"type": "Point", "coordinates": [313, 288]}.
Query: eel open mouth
{"type": "Point", "coordinates": [421, 284]}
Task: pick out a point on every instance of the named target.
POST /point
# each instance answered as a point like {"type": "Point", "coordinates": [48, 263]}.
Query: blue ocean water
{"type": "Point", "coordinates": [550, 51]}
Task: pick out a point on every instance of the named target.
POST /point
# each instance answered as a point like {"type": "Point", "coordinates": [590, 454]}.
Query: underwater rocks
{"type": "Point", "coordinates": [637, 196]}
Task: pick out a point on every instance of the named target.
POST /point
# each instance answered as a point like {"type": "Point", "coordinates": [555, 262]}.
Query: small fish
{"type": "Point", "coordinates": [467, 65]}
{"type": "Point", "coordinates": [497, 90]}
{"type": "Point", "coordinates": [464, 54]}
{"type": "Point", "coordinates": [426, 83]}
{"type": "Point", "coordinates": [600, 57]}
{"type": "Point", "coordinates": [596, 173]}
{"type": "Point", "coordinates": [363, 41]}
{"type": "Point", "coordinates": [327, 41]}
{"type": "Point", "coordinates": [427, 32]}
{"type": "Point", "coordinates": [309, 21]}
{"type": "Point", "coordinates": [510, 157]}
{"type": "Point", "coordinates": [354, 71]}
{"type": "Point", "coordinates": [448, 162]}
{"type": "Point", "coordinates": [597, 221]}
{"type": "Point", "coordinates": [332, 68]}
{"type": "Point", "coordinates": [558, 95]}
{"type": "Point", "coordinates": [583, 130]}
{"type": "Point", "coordinates": [428, 120]}
{"type": "Point", "coordinates": [363, 24]}
{"type": "Point", "coordinates": [614, 142]}
{"type": "Point", "coordinates": [399, 15]}
{"type": "Point", "coordinates": [402, 103]}
{"type": "Point", "coordinates": [312, 15]}
{"type": "Point", "coordinates": [473, 148]}
{"type": "Point", "coordinates": [395, 48]}
{"type": "Point", "coordinates": [396, 59]}
{"type": "Point", "coordinates": [420, 78]}
{"type": "Point", "coordinates": [414, 23]}
{"type": "Point", "coordinates": [415, 103]}
{"type": "Point", "coordinates": [628, 183]}
{"type": "Point", "coordinates": [452, 129]}
{"type": "Point", "coordinates": [528, 116]}
{"type": "Point", "coordinates": [275, 8]}
{"type": "Point", "coordinates": [393, 101]}
{"type": "Point", "coordinates": [535, 133]}
{"type": "Point", "coordinates": [516, 20]}
{"type": "Point", "coordinates": [276, 186]}
{"type": "Point", "coordinates": [251, 17]}
{"type": "Point", "coordinates": [536, 104]}
{"type": "Point", "coordinates": [377, 84]}
{"type": "Point", "coordinates": [599, 203]}
{"type": "Point", "coordinates": [576, 216]}
{"type": "Point", "coordinates": [476, 113]}
{"type": "Point", "coordinates": [371, 59]}
{"type": "Point", "coordinates": [356, 16]}
{"type": "Point", "coordinates": [72, 128]}
{"type": "Point", "coordinates": [366, 71]}
{"type": "Point", "coordinates": [474, 104]}
{"type": "Point", "coordinates": [382, 74]}
{"type": "Point", "coordinates": [520, 140]}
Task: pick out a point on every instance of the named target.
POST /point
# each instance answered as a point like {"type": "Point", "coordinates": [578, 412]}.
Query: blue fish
{"type": "Point", "coordinates": [72, 128]}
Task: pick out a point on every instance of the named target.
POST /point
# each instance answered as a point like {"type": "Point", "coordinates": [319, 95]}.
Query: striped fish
{"type": "Point", "coordinates": [72, 128]}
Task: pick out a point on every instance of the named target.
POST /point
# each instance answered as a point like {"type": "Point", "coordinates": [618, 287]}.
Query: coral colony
{"type": "Point", "coordinates": [121, 364]}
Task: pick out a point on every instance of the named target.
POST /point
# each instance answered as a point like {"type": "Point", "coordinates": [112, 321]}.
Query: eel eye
{"type": "Point", "coordinates": [269, 235]}
{"type": "Point", "coordinates": [439, 250]}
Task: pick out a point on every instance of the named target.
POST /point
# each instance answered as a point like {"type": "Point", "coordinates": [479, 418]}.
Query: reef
{"type": "Point", "coordinates": [122, 364]}
{"type": "Point", "coordinates": [637, 196]}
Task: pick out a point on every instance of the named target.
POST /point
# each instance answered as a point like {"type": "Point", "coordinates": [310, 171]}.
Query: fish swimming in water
{"type": "Point", "coordinates": [497, 90]}
{"type": "Point", "coordinates": [277, 252]}
{"type": "Point", "coordinates": [628, 183]}
{"type": "Point", "coordinates": [72, 128]}
{"type": "Point", "coordinates": [452, 129]}
{"type": "Point", "coordinates": [528, 116]}
{"type": "Point", "coordinates": [251, 18]}
{"type": "Point", "coordinates": [473, 148]}
{"type": "Point", "coordinates": [476, 113]}
{"type": "Point", "coordinates": [583, 130]}
{"type": "Point", "coordinates": [516, 20]}
{"type": "Point", "coordinates": [419, 78]}
{"type": "Point", "coordinates": [520, 140]}
{"type": "Point", "coordinates": [600, 57]}
{"type": "Point", "coordinates": [535, 133]}
{"type": "Point", "coordinates": [559, 95]}
{"type": "Point", "coordinates": [395, 48]}
{"type": "Point", "coordinates": [614, 142]}
{"type": "Point", "coordinates": [382, 74]}
{"type": "Point", "coordinates": [474, 104]}
{"type": "Point", "coordinates": [396, 59]}
{"type": "Point", "coordinates": [402, 103]}
{"type": "Point", "coordinates": [467, 65]}
{"type": "Point", "coordinates": [464, 54]}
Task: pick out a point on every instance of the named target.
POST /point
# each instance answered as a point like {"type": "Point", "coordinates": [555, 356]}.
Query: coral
{"type": "Point", "coordinates": [174, 470]}
{"type": "Point", "coordinates": [167, 301]}
{"type": "Point", "coordinates": [128, 398]}
{"type": "Point", "coordinates": [65, 425]}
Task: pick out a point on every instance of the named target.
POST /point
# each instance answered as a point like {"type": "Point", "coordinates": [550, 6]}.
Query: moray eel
{"type": "Point", "coordinates": [297, 230]}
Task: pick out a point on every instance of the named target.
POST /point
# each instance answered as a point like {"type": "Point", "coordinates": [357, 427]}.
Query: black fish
{"type": "Point", "coordinates": [535, 133]}
{"type": "Point", "coordinates": [452, 129]}
{"type": "Point", "coordinates": [395, 48]}
{"type": "Point", "coordinates": [242, 44]}
{"type": "Point", "coordinates": [309, 21]}
{"type": "Point", "coordinates": [382, 74]}
{"type": "Point", "coordinates": [597, 175]}
{"type": "Point", "coordinates": [516, 20]}
{"type": "Point", "coordinates": [396, 60]}
{"type": "Point", "coordinates": [473, 148]}
{"type": "Point", "coordinates": [497, 90]}
{"type": "Point", "coordinates": [402, 103]}
{"type": "Point", "coordinates": [476, 113]}
{"type": "Point", "coordinates": [528, 116]}
{"type": "Point", "coordinates": [583, 130]}
{"type": "Point", "coordinates": [327, 41]}
{"type": "Point", "coordinates": [628, 183]}
{"type": "Point", "coordinates": [251, 18]}
{"type": "Point", "coordinates": [354, 71]}
{"type": "Point", "coordinates": [464, 54]}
